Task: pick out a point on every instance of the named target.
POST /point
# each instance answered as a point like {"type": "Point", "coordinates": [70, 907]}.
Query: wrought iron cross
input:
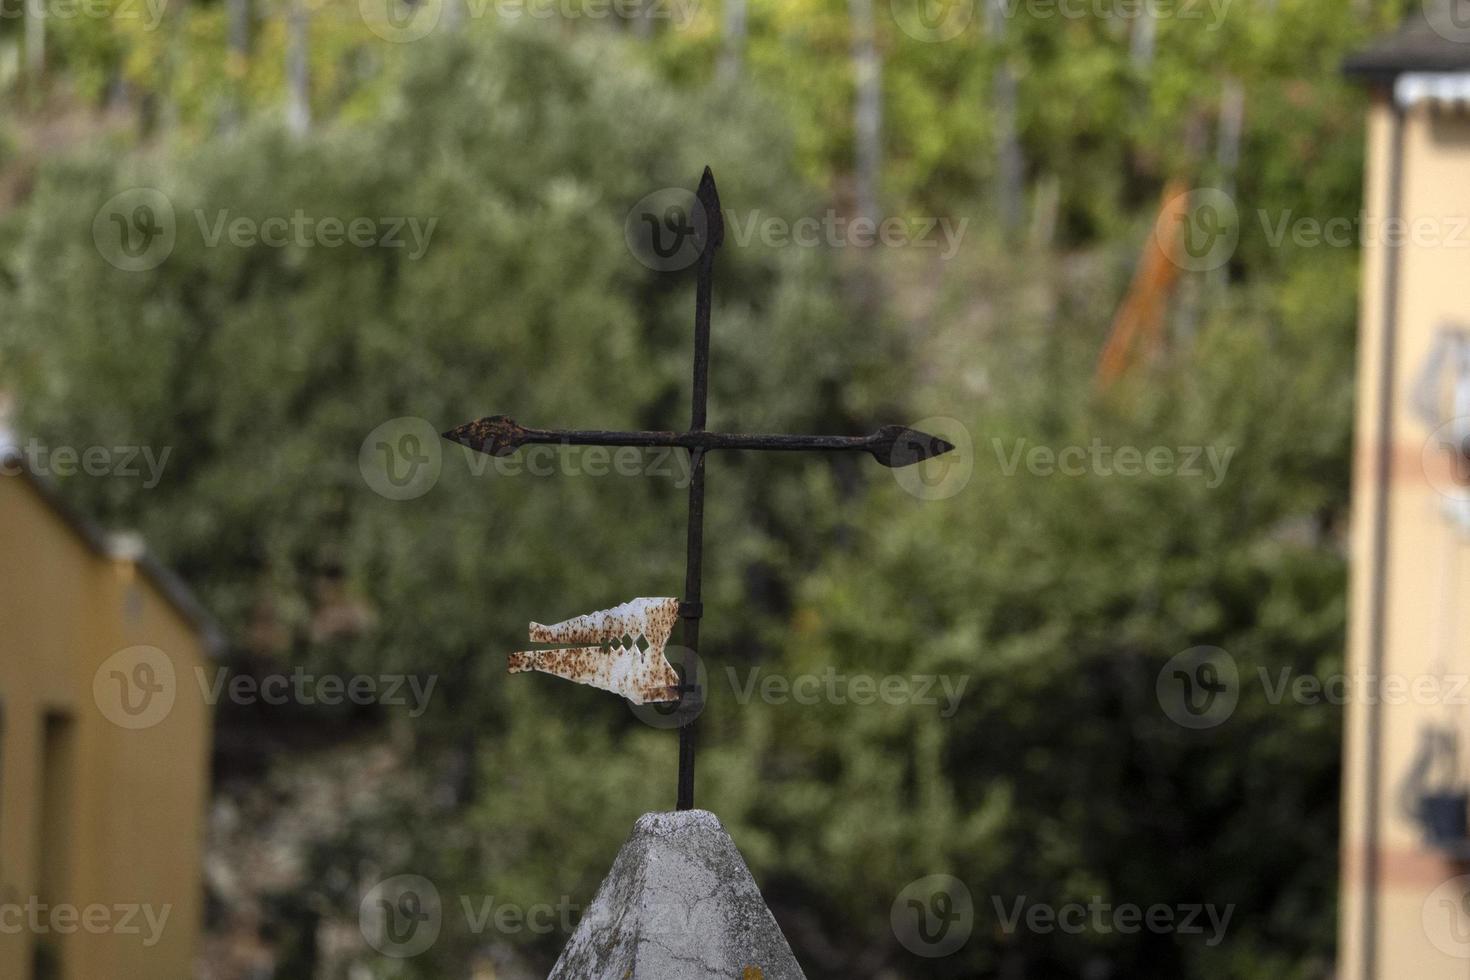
{"type": "Point", "coordinates": [500, 435]}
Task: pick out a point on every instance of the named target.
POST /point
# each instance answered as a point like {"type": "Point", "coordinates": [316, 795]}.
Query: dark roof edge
{"type": "Point", "coordinates": [1431, 38]}
{"type": "Point", "coordinates": [1368, 68]}
{"type": "Point", "coordinates": [173, 589]}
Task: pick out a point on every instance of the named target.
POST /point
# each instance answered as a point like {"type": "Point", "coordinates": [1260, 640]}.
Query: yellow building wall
{"type": "Point", "coordinates": [113, 828]}
{"type": "Point", "coordinates": [1426, 564]}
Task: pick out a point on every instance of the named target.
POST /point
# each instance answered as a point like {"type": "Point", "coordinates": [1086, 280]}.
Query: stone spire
{"type": "Point", "coordinates": [678, 903]}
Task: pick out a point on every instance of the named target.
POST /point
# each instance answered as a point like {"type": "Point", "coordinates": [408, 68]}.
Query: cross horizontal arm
{"type": "Point", "coordinates": [892, 445]}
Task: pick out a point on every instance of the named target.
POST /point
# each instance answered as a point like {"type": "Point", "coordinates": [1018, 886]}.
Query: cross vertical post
{"type": "Point", "coordinates": [692, 608]}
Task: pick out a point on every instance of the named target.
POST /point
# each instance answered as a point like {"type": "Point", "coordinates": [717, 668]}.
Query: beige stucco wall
{"type": "Point", "coordinates": [1426, 564]}
{"type": "Point", "coordinates": [127, 828]}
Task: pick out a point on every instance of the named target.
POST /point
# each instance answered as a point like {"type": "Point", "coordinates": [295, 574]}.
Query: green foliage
{"type": "Point", "coordinates": [263, 369]}
{"type": "Point", "coordinates": [1106, 127]}
{"type": "Point", "coordinates": [1057, 599]}
{"type": "Point", "coordinates": [1061, 598]}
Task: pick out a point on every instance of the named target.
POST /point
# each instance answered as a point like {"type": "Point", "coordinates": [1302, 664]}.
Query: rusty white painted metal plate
{"type": "Point", "coordinates": [609, 654]}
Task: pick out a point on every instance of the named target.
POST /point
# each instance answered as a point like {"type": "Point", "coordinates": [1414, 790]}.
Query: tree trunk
{"type": "Point", "coordinates": [298, 79]}
{"type": "Point", "coordinates": [1143, 42]}
{"type": "Point", "coordinates": [237, 18]}
{"type": "Point", "coordinates": [453, 16]}
{"type": "Point", "coordinates": [1010, 164]}
{"type": "Point", "coordinates": [1227, 154]}
{"type": "Point", "coordinates": [35, 40]}
{"type": "Point", "coordinates": [239, 30]}
{"type": "Point", "coordinates": [732, 56]}
{"type": "Point", "coordinates": [643, 19]}
{"type": "Point", "coordinates": [868, 121]}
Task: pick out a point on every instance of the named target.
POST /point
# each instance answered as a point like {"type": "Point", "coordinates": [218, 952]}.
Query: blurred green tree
{"type": "Point", "coordinates": [1057, 599]}
{"type": "Point", "coordinates": [263, 370]}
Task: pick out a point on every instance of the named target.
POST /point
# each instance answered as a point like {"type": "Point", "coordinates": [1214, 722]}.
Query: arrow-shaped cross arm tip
{"type": "Point", "coordinates": [498, 435]}
{"type": "Point", "coordinates": [897, 446]}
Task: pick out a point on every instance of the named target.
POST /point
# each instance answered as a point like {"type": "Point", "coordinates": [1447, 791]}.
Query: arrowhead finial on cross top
{"type": "Point", "coordinates": [708, 196]}
{"type": "Point", "coordinates": [641, 673]}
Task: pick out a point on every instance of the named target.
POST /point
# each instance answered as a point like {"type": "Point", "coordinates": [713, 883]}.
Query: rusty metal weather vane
{"type": "Point", "coordinates": [603, 649]}
{"type": "Point", "coordinates": [640, 674]}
